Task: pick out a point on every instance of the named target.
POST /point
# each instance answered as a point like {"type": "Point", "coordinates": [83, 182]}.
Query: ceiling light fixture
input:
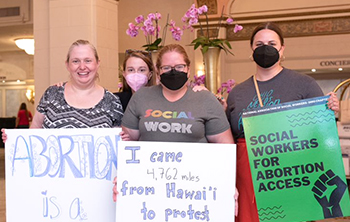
{"type": "Point", "coordinates": [26, 44]}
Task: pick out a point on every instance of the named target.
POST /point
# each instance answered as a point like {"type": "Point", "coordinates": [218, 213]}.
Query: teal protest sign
{"type": "Point", "coordinates": [296, 163]}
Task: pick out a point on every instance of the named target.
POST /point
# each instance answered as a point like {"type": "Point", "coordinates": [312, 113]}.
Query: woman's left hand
{"type": "Point", "coordinates": [333, 102]}
{"type": "Point", "coordinates": [222, 100]}
{"type": "Point", "coordinates": [236, 202]}
{"type": "Point", "coordinates": [115, 192]}
{"type": "Point", "coordinates": [4, 135]}
{"type": "Point", "coordinates": [199, 88]}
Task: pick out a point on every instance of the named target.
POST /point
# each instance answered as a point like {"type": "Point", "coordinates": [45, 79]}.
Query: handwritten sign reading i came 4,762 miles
{"type": "Point", "coordinates": [160, 181]}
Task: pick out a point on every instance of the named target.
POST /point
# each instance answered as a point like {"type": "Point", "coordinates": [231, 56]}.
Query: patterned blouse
{"type": "Point", "coordinates": [58, 114]}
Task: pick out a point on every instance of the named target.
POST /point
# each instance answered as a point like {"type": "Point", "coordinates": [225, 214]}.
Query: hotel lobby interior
{"type": "Point", "coordinates": [317, 34]}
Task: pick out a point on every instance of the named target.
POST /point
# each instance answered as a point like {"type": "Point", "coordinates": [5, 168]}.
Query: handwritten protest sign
{"type": "Point", "coordinates": [296, 163]}
{"type": "Point", "coordinates": [60, 174]}
{"type": "Point", "coordinates": [160, 181]}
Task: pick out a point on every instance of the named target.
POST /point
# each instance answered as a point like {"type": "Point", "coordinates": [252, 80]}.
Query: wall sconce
{"type": "Point", "coordinates": [26, 44]}
{"type": "Point", "coordinates": [30, 94]}
{"type": "Point", "coordinates": [200, 72]}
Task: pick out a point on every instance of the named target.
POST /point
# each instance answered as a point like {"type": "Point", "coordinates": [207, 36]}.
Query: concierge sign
{"type": "Point", "coordinates": [296, 163]}
{"type": "Point", "coordinates": [172, 182]}
{"type": "Point", "coordinates": [60, 174]}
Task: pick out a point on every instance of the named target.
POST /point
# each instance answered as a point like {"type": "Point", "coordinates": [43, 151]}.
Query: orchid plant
{"type": "Point", "coordinates": [198, 80]}
{"type": "Point", "coordinates": [191, 18]}
{"type": "Point", "coordinates": [151, 28]}
{"type": "Point", "coordinates": [225, 86]}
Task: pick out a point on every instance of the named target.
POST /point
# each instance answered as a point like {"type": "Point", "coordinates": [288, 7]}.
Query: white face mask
{"type": "Point", "coordinates": [136, 80]}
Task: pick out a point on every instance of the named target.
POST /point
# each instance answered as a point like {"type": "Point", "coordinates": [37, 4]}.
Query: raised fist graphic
{"type": "Point", "coordinates": [330, 205]}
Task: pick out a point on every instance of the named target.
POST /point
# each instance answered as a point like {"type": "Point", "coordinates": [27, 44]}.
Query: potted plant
{"type": "Point", "coordinates": [210, 45]}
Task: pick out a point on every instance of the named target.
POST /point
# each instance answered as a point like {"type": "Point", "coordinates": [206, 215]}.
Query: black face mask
{"type": "Point", "coordinates": [266, 56]}
{"type": "Point", "coordinates": [173, 79]}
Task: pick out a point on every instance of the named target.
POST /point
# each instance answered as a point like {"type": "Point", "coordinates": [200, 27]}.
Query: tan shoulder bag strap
{"type": "Point", "coordinates": [257, 91]}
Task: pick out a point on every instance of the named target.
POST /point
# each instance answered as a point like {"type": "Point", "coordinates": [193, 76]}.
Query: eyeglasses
{"type": "Point", "coordinates": [179, 68]}
{"type": "Point", "coordinates": [145, 53]}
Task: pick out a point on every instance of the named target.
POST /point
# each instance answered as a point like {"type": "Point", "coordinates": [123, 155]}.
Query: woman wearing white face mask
{"type": "Point", "coordinates": [137, 72]}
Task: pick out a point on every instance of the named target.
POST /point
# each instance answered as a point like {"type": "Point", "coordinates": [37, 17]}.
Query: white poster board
{"type": "Point", "coordinates": [160, 182]}
{"type": "Point", "coordinates": [60, 174]}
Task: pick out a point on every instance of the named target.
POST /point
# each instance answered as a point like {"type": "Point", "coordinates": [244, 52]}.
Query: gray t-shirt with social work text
{"type": "Point", "coordinates": [189, 119]}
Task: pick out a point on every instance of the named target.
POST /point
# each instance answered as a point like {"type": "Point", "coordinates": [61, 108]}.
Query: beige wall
{"type": "Point", "coordinates": [301, 52]}
{"type": "Point", "coordinates": [57, 24]}
{"type": "Point", "coordinates": [273, 8]}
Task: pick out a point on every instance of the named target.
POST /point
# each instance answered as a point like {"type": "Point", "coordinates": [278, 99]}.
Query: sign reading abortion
{"type": "Point", "coordinates": [60, 174]}
{"type": "Point", "coordinates": [160, 181]}
{"type": "Point", "coordinates": [296, 162]}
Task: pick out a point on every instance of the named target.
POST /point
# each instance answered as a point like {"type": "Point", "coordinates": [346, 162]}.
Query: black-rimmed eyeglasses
{"type": "Point", "coordinates": [179, 68]}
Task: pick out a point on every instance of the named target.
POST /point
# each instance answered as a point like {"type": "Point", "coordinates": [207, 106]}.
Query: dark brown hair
{"type": "Point", "coordinates": [270, 26]}
{"type": "Point", "coordinates": [23, 106]}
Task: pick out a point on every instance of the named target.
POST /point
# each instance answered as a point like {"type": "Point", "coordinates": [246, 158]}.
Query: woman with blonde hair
{"type": "Point", "coordinates": [81, 102]}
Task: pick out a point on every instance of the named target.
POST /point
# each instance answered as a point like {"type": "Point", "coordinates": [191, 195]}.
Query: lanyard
{"type": "Point", "coordinates": [257, 91]}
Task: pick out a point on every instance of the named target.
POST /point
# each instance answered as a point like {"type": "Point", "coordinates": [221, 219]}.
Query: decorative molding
{"type": "Point", "coordinates": [213, 32]}
{"type": "Point", "coordinates": [212, 6]}
{"type": "Point", "coordinates": [297, 28]}
{"type": "Point", "coordinates": [290, 13]}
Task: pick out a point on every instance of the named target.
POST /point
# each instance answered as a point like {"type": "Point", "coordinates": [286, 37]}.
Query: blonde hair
{"type": "Point", "coordinates": [82, 42]}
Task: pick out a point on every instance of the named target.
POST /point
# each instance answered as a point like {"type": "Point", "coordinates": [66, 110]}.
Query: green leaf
{"type": "Point", "coordinates": [157, 41]}
{"type": "Point", "coordinates": [205, 49]}
{"type": "Point", "coordinates": [205, 43]}
{"type": "Point", "coordinates": [197, 45]}
{"type": "Point", "coordinates": [228, 44]}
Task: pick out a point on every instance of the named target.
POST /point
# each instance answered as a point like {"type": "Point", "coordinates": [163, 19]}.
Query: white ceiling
{"type": "Point", "coordinates": [9, 33]}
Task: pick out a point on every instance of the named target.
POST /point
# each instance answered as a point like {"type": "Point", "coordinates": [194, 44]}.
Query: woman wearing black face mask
{"type": "Point", "coordinates": [271, 84]}
{"type": "Point", "coordinates": [172, 111]}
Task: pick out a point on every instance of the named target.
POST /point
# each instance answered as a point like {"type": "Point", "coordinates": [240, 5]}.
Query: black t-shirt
{"type": "Point", "coordinates": [124, 98]}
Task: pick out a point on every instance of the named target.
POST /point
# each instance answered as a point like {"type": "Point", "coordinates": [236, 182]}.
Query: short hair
{"type": "Point", "coordinates": [172, 48]}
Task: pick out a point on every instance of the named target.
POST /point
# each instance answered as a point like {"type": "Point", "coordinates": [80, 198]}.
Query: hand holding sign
{"type": "Point", "coordinates": [330, 206]}
{"type": "Point", "coordinates": [115, 191]}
